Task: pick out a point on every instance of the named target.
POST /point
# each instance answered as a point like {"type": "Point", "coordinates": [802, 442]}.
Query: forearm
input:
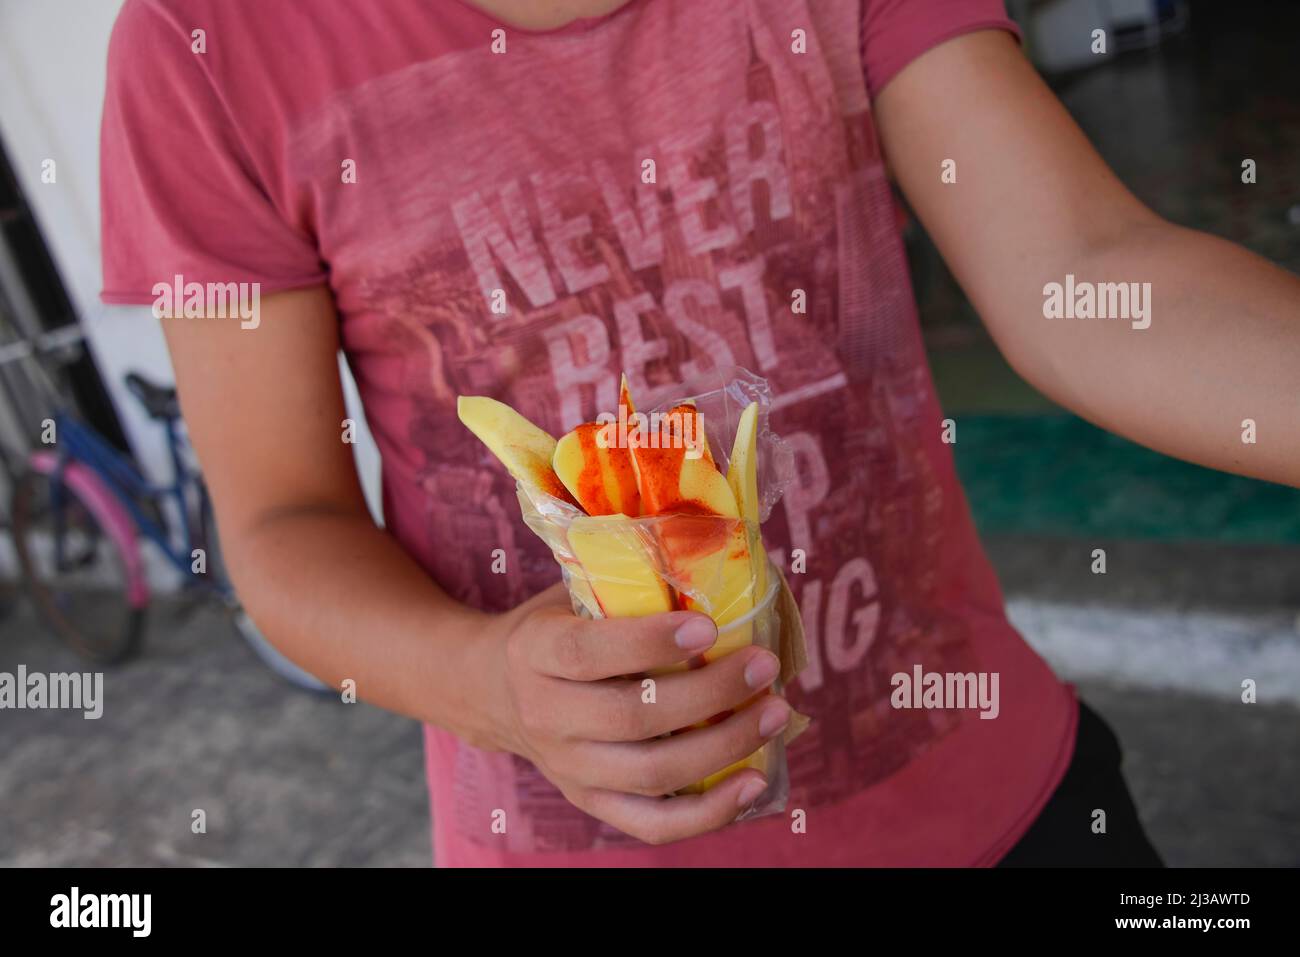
{"type": "Point", "coordinates": [1223, 346]}
{"type": "Point", "coordinates": [341, 598]}
{"type": "Point", "coordinates": [1029, 203]}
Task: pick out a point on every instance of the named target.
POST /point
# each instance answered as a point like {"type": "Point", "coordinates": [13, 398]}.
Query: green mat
{"type": "Point", "coordinates": [1058, 475]}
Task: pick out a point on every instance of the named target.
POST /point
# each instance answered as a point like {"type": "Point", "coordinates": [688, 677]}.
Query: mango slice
{"type": "Point", "coordinates": [704, 555]}
{"type": "Point", "coordinates": [673, 482]}
{"type": "Point", "coordinates": [599, 475]}
{"type": "Point", "coordinates": [756, 760]}
{"type": "Point", "coordinates": [597, 469]}
{"type": "Point", "coordinates": [523, 448]}
{"type": "Point", "coordinates": [621, 575]}
{"type": "Point", "coordinates": [526, 452]}
{"type": "Point", "coordinates": [742, 476]}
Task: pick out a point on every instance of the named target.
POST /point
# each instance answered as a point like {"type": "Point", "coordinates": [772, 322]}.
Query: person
{"type": "Point", "coordinates": [523, 200]}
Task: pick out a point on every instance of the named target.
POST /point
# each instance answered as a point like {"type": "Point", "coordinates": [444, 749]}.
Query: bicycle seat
{"type": "Point", "coordinates": [158, 400]}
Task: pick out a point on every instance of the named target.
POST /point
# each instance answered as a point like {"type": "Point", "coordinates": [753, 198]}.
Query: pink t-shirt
{"type": "Point", "coordinates": [521, 171]}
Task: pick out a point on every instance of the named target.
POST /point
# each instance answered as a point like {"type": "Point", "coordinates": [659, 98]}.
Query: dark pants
{"type": "Point", "coordinates": [1062, 835]}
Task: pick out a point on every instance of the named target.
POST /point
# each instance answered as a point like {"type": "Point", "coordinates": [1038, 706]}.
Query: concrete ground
{"type": "Point", "coordinates": [285, 777]}
{"type": "Point", "coordinates": [288, 778]}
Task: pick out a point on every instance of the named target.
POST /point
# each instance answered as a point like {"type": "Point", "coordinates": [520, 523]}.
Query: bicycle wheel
{"type": "Point", "coordinates": [83, 596]}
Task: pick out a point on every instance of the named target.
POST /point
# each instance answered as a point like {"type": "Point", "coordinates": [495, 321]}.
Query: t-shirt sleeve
{"type": "Point", "coordinates": [180, 193]}
{"type": "Point", "coordinates": [896, 32]}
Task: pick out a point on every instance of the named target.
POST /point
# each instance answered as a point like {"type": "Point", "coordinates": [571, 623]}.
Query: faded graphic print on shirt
{"type": "Point", "coordinates": [769, 179]}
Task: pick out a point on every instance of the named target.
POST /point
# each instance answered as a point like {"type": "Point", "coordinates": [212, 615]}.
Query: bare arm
{"type": "Point", "coordinates": [1033, 201]}
{"type": "Point", "coordinates": [340, 597]}
{"type": "Point", "coordinates": [264, 409]}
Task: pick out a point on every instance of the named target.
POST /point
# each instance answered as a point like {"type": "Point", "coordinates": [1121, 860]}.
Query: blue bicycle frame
{"type": "Point", "coordinates": [80, 443]}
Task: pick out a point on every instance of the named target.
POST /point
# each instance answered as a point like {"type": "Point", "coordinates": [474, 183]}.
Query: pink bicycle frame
{"type": "Point", "coordinates": [111, 514]}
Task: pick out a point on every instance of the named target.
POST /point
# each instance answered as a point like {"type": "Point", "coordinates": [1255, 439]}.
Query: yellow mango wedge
{"type": "Point", "coordinates": [620, 574]}
{"type": "Point", "coordinates": [704, 555]}
{"type": "Point", "coordinates": [701, 439]}
{"type": "Point", "coordinates": [670, 480]}
{"type": "Point", "coordinates": [600, 477]}
{"type": "Point", "coordinates": [742, 470]}
{"type": "Point", "coordinates": [595, 465]}
{"type": "Point", "coordinates": [742, 476]}
{"type": "Point", "coordinates": [523, 448]}
{"type": "Point", "coordinates": [625, 397]}
{"type": "Point", "coordinates": [597, 471]}
{"type": "Point", "coordinates": [526, 452]}
{"type": "Point", "coordinates": [756, 760]}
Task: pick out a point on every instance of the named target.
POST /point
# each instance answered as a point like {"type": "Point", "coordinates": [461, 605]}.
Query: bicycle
{"type": "Point", "coordinates": [78, 512]}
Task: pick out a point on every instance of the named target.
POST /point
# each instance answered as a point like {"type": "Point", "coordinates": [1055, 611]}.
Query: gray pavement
{"type": "Point", "coordinates": [285, 777]}
{"type": "Point", "coordinates": [288, 778]}
{"type": "Point", "coordinates": [1214, 782]}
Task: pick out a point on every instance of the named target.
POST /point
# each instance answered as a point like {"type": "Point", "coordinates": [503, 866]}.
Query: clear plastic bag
{"type": "Point", "coordinates": [614, 565]}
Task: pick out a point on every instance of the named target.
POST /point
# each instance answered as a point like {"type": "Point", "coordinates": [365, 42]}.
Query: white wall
{"type": "Point", "coordinates": [52, 63]}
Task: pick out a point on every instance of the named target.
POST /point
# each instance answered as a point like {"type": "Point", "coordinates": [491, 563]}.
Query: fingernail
{"type": "Point", "coordinates": [775, 717]}
{"type": "Point", "coordinates": [697, 634]}
{"type": "Point", "coordinates": [750, 792]}
{"type": "Point", "coordinates": [762, 671]}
